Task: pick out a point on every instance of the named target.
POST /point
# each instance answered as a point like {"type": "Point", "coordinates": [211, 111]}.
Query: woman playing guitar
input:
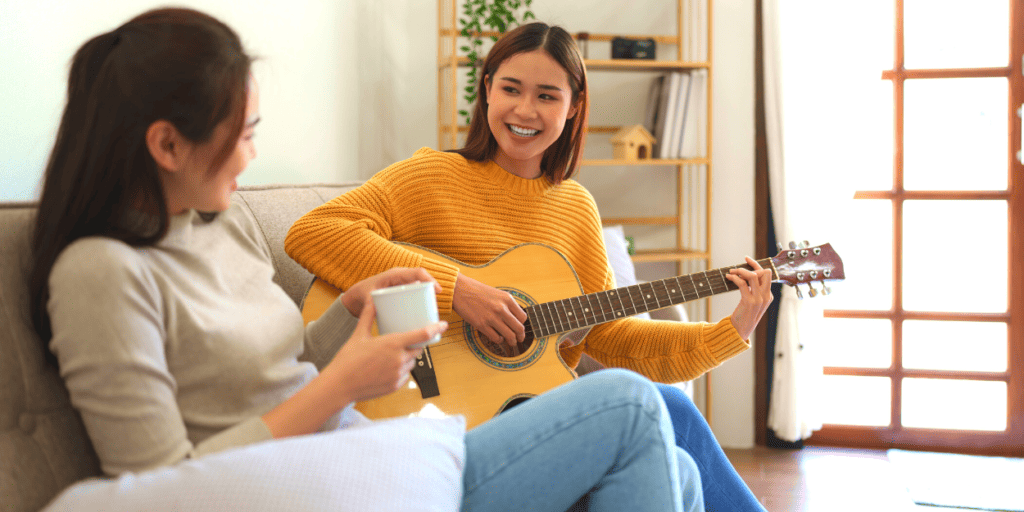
{"type": "Point", "coordinates": [510, 185]}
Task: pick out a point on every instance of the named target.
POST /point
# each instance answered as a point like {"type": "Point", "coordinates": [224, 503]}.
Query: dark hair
{"type": "Point", "coordinates": [178, 65]}
{"type": "Point", "coordinates": [562, 159]}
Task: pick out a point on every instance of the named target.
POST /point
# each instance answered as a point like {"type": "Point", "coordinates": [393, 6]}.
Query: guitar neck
{"type": "Point", "coordinates": [583, 311]}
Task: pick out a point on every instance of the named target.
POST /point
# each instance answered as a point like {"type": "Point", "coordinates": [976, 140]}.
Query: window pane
{"type": "Point", "coordinates": [856, 400]}
{"type": "Point", "coordinates": [863, 240]}
{"type": "Point", "coordinates": [857, 343]}
{"type": "Point", "coordinates": [954, 404]}
{"type": "Point", "coordinates": [941, 274]}
{"type": "Point", "coordinates": [941, 346]}
{"type": "Point", "coordinates": [955, 134]}
{"type": "Point", "coordinates": [956, 34]}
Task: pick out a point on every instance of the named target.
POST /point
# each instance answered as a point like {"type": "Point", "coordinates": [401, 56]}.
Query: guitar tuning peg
{"type": "Point", "coordinates": [792, 245]}
{"type": "Point", "coordinates": [804, 244]}
{"type": "Point", "coordinates": [825, 290]}
{"type": "Point", "coordinates": [811, 291]}
{"type": "Point", "coordinates": [799, 294]}
{"type": "Point", "coordinates": [778, 245]}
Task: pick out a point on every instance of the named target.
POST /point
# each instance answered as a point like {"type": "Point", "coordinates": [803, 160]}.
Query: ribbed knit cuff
{"type": "Point", "coordinates": [723, 341]}
{"type": "Point", "coordinates": [446, 275]}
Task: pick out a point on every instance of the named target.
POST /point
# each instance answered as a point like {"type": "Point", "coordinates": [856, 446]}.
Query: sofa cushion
{"type": "Point", "coordinates": [43, 445]}
{"type": "Point", "coordinates": [275, 208]}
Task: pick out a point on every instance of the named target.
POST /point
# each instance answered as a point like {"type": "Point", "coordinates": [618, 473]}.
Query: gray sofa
{"type": "Point", "coordinates": [43, 445]}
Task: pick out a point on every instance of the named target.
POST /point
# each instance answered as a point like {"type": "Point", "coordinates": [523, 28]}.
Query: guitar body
{"type": "Point", "coordinates": [473, 380]}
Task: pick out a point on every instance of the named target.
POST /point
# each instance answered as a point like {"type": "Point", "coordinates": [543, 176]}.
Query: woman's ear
{"type": "Point", "coordinates": [573, 110]}
{"type": "Point", "coordinates": [167, 147]}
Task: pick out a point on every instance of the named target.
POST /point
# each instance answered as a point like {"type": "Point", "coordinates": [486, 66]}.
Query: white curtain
{"type": "Point", "coordinates": [822, 83]}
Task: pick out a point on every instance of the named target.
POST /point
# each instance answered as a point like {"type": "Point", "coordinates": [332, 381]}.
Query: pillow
{"type": "Point", "coordinates": [400, 464]}
{"type": "Point", "coordinates": [617, 247]}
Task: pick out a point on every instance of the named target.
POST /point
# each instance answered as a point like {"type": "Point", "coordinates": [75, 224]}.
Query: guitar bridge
{"type": "Point", "coordinates": [423, 373]}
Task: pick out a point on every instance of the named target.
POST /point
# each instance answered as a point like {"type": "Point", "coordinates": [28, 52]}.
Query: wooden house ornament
{"type": "Point", "coordinates": [632, 143]}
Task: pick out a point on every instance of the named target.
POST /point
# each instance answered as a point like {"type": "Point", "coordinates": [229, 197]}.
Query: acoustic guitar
{"type": "Point", "coordinates": [466, 374]}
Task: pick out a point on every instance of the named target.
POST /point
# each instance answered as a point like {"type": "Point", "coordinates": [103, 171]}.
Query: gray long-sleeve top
{"type": "Point", "coordinates": [176, 350]}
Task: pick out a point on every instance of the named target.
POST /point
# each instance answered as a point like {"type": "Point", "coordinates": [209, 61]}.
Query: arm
{"type": "Point", "coordinates": [365, 367]}
{"type": "Point", "coordinates": [348, 239]}
{"type": "Point", "coordinates": [674, 351]}
{"type": "Point", "coordinates": [108, 323]}
{"type": "Point", "coordinates": [326, 335]}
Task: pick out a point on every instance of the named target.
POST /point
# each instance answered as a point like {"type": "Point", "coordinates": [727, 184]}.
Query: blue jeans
{"type": "Point", "coordinates": [723, 488]}
{"type": "Point", "coordinates": [604, 439]}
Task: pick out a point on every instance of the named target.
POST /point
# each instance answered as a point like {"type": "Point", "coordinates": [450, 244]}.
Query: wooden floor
{"type": "Point", "coordinates": [819, 479]}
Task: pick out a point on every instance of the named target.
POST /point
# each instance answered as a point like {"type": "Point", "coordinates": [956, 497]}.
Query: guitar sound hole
{"type": "Point", "coordinates": [514, 402]}
{"type": "Point", "coordinates": [503, 349]}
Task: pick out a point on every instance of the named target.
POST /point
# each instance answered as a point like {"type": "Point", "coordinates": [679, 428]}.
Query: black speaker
{"type": "Point", "coordinates": [625, 48]}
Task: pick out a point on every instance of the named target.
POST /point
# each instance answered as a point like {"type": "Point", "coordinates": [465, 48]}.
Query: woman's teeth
{"type": "Point", "coordinates": [523, 132]}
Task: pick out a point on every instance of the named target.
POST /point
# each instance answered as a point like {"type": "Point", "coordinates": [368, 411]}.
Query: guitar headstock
{"type": "Point", "coordinates": [807, 265]}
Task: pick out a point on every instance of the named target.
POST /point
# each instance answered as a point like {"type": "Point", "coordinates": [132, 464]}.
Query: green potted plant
{"type": "Point", "coordinates": [479, 16]}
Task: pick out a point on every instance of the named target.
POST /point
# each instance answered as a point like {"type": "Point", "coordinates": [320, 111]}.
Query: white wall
{"type": "Point", "coordinates": [307, 81]}
{"type": "Point", "coordinates": [732, 220]}
{"type": "Point", "coordinates": [348, 87]}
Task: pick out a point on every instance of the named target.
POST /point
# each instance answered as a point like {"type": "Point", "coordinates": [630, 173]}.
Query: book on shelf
{"type": "Point", "coordinates": [693, 136]}
{"type": "Point", "coordinates": [670, 98]}
{"type": "Point", "coordinates": [653, 100]}
{"type": "Point", "coordinates": [679, 117]}
{"type": "Point", "coordinates": [666, 116]}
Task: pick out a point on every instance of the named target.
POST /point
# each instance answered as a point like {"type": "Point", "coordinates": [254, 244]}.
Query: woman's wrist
{"type": "Point", "coordinates": [306, 411]}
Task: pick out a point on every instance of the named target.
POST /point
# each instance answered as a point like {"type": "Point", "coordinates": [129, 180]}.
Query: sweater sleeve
{"type": "Point", "coordinates": [349, 238]}
{"type": "Point", "coordinates": [108, 323]}
{"type": "Point", "coordinates": [327, 334]}
{"type": "Point", "coordinates": [663, 351]}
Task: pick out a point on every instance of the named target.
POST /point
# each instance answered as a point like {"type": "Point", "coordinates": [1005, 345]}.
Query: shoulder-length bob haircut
{"type": "Point", "coordinates": [178, 65]}
{"type": "Point", "coordinates": [562, 159]}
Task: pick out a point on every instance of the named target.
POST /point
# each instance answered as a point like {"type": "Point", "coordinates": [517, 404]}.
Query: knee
{"type": "Point", "coordinates": [689, 481]}
{"type": "Point", "coordinates": [618, 385]}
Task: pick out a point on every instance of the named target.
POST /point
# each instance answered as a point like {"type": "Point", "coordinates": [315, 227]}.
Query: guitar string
{"type": "Point", "coordinates": [454, 328]}
{"type": "Point", "coordinates": [457, 325]}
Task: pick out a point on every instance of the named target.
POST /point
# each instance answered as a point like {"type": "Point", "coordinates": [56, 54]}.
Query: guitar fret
{"type": "Point", "coordinates": [693, 288]}
{"type": "Point", "coordinates": [612, 297]}
{"type": "Point", "coordinates": [536, 319]}
{"type": "Point", "coordinates": [703, 287]}
{"type": "Point", "coordinates": [602, 305]}
{"type": "Point", "coordinates": [714, 281]}
{"type": "Point", "coordinates": [590, 307]}
{"type": "Point", "coordinates": [661, 294]}
{"type": "Point", "coordinates": [557, 315]}
{"type": "Point", "coordinates": [571, 315]}
{"type": "Point", "coordinates": [583, 314]}
{"type": "Point", "coordinates": [632, 302]}
{"type": "Point", "coordinates": [566, 315]}
{"type": "Point", "coordinates": [534, 326]}
{"type": "Point", "coordinates": [721, 284]}
{"type": "Point", "coordinates": [651, 295]}
{"type": "Point", "coordinates": [622, 305]}
{"type": "Point", "coordinates": [550, 319]}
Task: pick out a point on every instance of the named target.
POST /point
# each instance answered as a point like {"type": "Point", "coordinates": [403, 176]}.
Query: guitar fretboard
{"type": "Point", "coordinates": [574, 313]}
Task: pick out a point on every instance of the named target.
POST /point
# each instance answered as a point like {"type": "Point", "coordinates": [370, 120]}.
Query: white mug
{"type": "Point", "coordinates": [406, 307]}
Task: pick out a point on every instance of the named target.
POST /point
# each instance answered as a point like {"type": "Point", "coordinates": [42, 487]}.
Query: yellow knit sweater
{"type": "Point", "coordinates": [474, 211]}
